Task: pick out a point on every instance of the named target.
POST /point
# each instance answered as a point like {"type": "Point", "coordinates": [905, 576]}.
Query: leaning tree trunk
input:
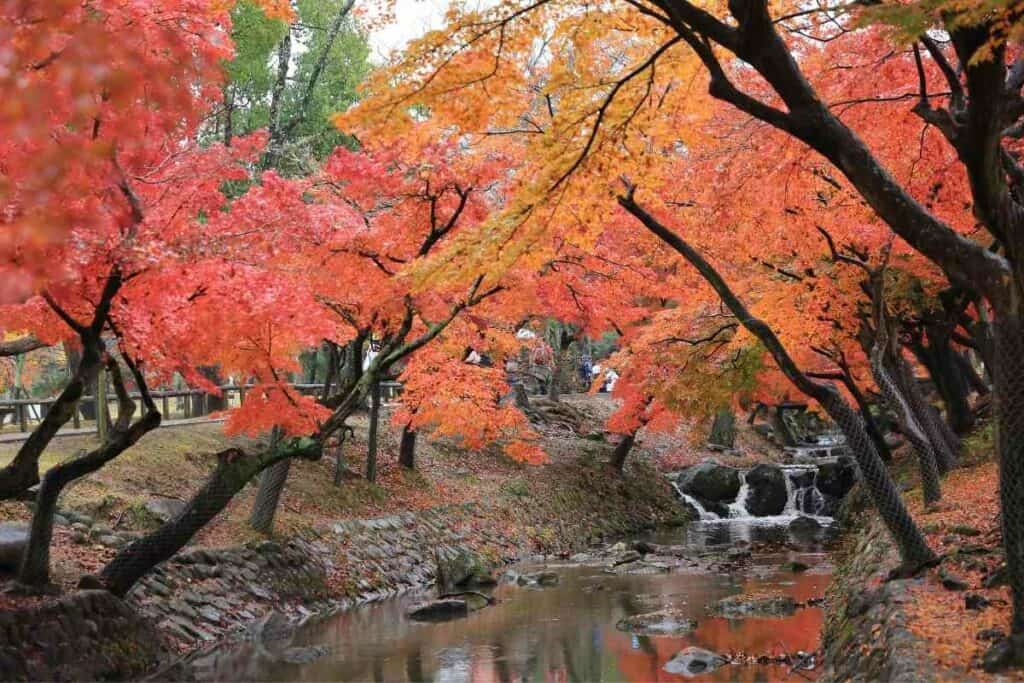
{"type": "Point", "coordinates": [23, 471]}
{"type": "Point", "coordinates": [914, 551]}
{"type": "Point", "coordinates": [407, 448]}
{"type": "Point", "coordinates": [622, 450]}
{"type": "Point", "coordinates": [268, 494]}
{"type": "Point", "coordinates": [234, 470]}
{"type": "Point", "coordinates": [945, 456]}
{"type": "Point", "coordinates": [34, 570]}
{"type": "Point", "coordinates": [1008, 374]}
{"type": "Point", "coordinates": [900, 405]}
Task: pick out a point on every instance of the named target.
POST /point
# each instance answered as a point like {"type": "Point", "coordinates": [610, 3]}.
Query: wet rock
{"type": "Point", "coordinates": [991, 634]}
{"type": "Point", "coordinates": [79, 538]}
{"type": "Point", "coordinates": [795, 566]}
{"type": "Point", "coordinates": [805, 528]}
{"type": "Point", "coordinates": [710, 482]}
{"type": "Point", "coordinates": [694, 661]}
{"type": "Point", "coordinates": [836, 478]}
{"type": "Point", "coordinates": [110, 540]}
{"type": "Point", "coordinates": [767, 492]}
{"type": "Point", "coordinates": [538, 579]}
{"type": "Point", "coordinates": [975, 601]}
{"type": "Point", "coordinates": [999, 577]}
{"type": "Point", "coordinates": [802, 478]}
{"type": "Point", "coordinates": [210, 614]}
{"type": "Point", "coordinates": [740, 606]}
{"type": "Point", "coordinates": [13, 539]}
{"type": "Point", "coordinates": [951, 581]}
{"type": "Point", "coordinates": [668, 622]}
{"type": "Point", "coordinates": [439, 610]}
{"type": "Point", "coordinates": [459, 567]}
{"type": "Point", "coordinates": [164, 509]}
{"type": "Point", "coordinates": [640, 568]}
{"type": "Point", "coordinates": [625, 558]}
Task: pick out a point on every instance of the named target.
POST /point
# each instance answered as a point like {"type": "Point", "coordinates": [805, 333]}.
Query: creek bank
{"type": "Point", "coordinates": [866, 637]}
{"type": "Point", "coordinates": [205, 597]}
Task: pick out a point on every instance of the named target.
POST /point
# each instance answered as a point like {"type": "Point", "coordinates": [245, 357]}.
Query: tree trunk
{"type": "Point", "coordinates": [723, 430]}
{"type": "Point", "coordinates": [622, 450]}
{"type": "Point", "coordinates": [371, 450]}
{"type": "Point", "coordinates": [914, 551]}
{"type": "Point", "coordinates": [947, 372]}
{"type": "Point", "coordinates": [407, 448]}
{"type": "Point", "coordinates": [22, 472]}
{"type": "Point", "coordinates": [34, 570]}
{"type": "Point", "coordinates": [268, 496]}
{"type": "Point", "coordinates": [234, 470]}
{"type": "Point", "coordinates": [945, 455]}
{"type": "Point", "coordinates": [885, 367]}
{"type": "Point", "coordinates": [1009, 390]}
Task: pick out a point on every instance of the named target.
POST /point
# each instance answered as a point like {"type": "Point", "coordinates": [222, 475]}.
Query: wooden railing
{"type": "Point", "coordinates": [24, 414]}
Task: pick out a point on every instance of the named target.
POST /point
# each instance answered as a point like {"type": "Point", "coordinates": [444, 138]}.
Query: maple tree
{"type": "Point", "coordinates": [588, 104]}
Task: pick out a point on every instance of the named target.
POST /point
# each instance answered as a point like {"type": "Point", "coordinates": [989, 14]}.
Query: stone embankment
{"type": "Point", "coordinates": [88, 635]}
{"type": "Point", "coordinates": [866, 636]}
{"type": "Point", "coordinates": [203, 597]}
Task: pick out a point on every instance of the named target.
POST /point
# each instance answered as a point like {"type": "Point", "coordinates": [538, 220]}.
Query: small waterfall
{"type": "Point", "coordinates": [802, 498]}
{"type": "Point", "coordinates": [702, 513]}
{"type": "Point", "coordinates": [805, 499]}
{"type": "Point", "coordinates": [738, 508]}
{"type": "Point", "coordinates": [792, 504]}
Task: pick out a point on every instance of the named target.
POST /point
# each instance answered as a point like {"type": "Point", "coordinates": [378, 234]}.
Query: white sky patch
{"type": "Point", "coordinates": [413, 18]}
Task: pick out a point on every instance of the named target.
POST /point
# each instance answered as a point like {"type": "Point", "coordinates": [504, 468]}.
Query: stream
{"type": "Point", "coordinates": [567, 632]}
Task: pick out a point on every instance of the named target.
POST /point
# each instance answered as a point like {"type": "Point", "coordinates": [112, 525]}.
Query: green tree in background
{"type": "Point", "coordinates": [291, 79]}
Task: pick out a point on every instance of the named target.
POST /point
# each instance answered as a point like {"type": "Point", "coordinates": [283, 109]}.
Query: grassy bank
{"type": "Point", "coordinates": [570, 501]}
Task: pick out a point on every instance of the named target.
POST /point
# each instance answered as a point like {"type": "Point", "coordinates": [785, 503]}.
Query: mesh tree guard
{"type": "Point", "coordinates": [264, 508]}
{"type": "Point", "coordinates": [945, 458]}
{"type": "Point", "coordinates": [1009, 391]}
{"type": "Point", "coordinates": [914, 550]}
{"type": "Point", "coordinates": [882, 360]}
{"type": "Point", "coordinates": [234, 470]}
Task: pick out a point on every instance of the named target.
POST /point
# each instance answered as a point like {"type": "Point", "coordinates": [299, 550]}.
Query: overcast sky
{"type": "Point", "coordinates": [413, 19]}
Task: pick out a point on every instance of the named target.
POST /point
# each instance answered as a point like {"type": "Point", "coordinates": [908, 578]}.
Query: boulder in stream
{"type": "Point", "coordinates": [767, 492]}
{"type": "Point", "coordinates": [667, 622]}
{"type": "Point", "coordinates": [711, 482]}
{"type": "Point", "coordinates": [461, 567]}
{"type": "Point", "coordinates": [694, 661]}
{"type": "Point", "coordinates": [538, 579]}
{"type": "Point", "coordinates": [835, 479]}
{"type": "Point", "coordinates": [755, 605]}
{"type": "Point", "coordinates": [806, 529]}
{"type": "Point", "coordinates": [439, 610]}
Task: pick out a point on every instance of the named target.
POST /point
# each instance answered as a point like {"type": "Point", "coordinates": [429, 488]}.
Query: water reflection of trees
{"type": "Point", "coordinates": [565, 633]}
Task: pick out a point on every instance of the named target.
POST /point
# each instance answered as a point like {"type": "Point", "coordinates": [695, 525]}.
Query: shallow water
{"type": "Point", "coordinates": [563, 633]}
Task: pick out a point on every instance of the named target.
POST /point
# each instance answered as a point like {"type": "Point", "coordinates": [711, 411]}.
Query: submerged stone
{"type": "Point", "coordinates": [538, 579]}
{"type": "Point", "coordinates": [439, 610]}
{"type": "Point", "coordinates": [668, 622]}
{"type": "Point", "coordinates": [741, 606]}
{"type": "Point", "coordinates": [694, 661]}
